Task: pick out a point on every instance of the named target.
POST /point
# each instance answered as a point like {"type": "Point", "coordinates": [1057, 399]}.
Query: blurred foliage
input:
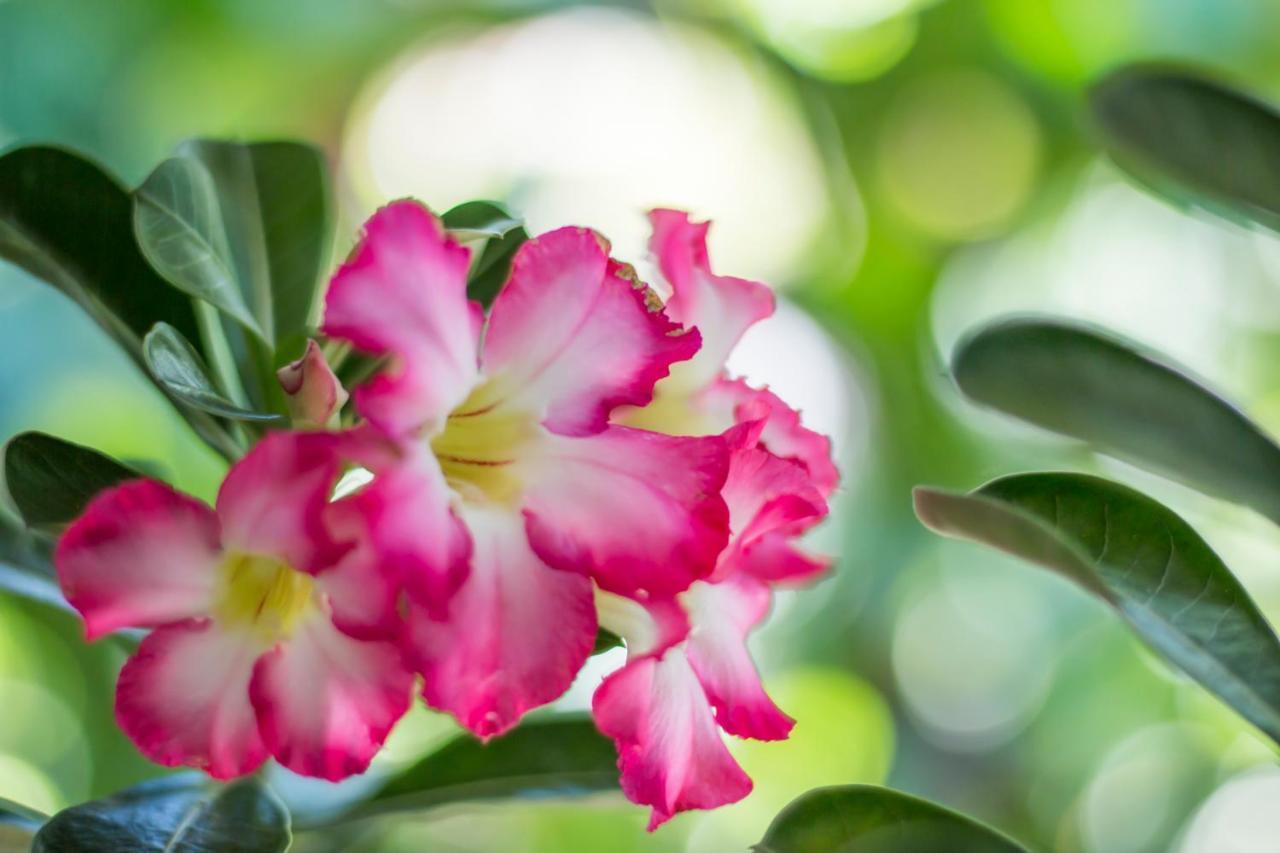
{"type": "Point", "coordinates": [951, 136]}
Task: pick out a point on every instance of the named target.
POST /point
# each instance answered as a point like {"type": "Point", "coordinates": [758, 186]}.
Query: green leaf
{"type": "Point", "coordinates": [51, 480]}
{"type": "Point", "coordinates": [502, 233]}
{"type": "Point", "coordinates": [67, 222]}
{"type": "Point", "coordinates": [1143, 560]}
{"type": "Point", "coordinates": [479, 220]}
{"type": "Point", "coordinates": [274, 200]}
{"type": "Point", "coordinates": [558, 755]}
{"type": "Point", "coordinates": [174, 364]}
{"type": "Point", "coordinates": [179, 227]}
{"type": "Point", "coordinates": [606, 640]}
{"type": "Point", "coordinates": [489, 272]}
{"type": "Point", "coordinates": [1129, 403]}
{"type": "Point", "coordinates": [18, 826]}
{"type": "Point", "coordinates": [176, 814]}
{"type": "Point", "coordinates": [26, 568]}
{"type": "Point", "coordinates": [1192, 139]}
{"type": "Point", "coordinates": [869, 819]}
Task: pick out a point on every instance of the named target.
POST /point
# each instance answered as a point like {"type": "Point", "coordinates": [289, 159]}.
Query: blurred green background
{"type": "Point", "coordinates": [899, 170]}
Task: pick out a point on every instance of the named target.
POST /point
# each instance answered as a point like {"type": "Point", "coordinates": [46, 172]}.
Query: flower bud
{"type": "Point", "coordinates": [314, 393]}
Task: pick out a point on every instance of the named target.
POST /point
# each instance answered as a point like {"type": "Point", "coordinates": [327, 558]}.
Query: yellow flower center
{"type": "Point", "coordinates": [674, 410]}
{"type": "Point", "coordinates": [264, 595]}
{"type": "Point", "coordinates": [481, 444]}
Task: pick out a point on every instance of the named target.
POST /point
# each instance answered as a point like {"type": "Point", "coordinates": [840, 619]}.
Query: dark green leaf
{"type": "Point", "coordinates": [66, 221]}
{"type": "Point", "coordinates": [1193, 139]}
{"type": "Point", "coordinates": [1130, 403]}
{"type": "Point", "coordinates": [178, 368]}
{"type": "Point", "coordinates": [178, 224]}
{"type": "Point", "coordinates": [479, 220]}
{"type": "Point", "coordinates": [606, 640]}
{"type": "Point", "coordinates": [489, 272]}
{"type": "Point", "coordinates": [177, 814]}
{"type": "Point", "coordinates": [274, 199]}
{"type": "Point", "coordinates": [1140, 558]}
{"type": "Point", "coordinates": [558, 755]}
{"type": "Point", "coordinates": [867, 819]}
{"type": "Point", "coordinates": [51, 480]}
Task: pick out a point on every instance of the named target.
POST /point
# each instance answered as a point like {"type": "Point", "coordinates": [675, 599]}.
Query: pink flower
{"type": "Point", "coordinates": [688, 674]}
{"type": "Point", "coordinates": [273, 621]}
{"type": "Point", "coordinates": [502, 492]}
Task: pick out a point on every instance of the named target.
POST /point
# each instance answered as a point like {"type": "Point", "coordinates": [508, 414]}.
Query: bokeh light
{"type": "Point", "coordinates": [958, 154]}
{"type": "Point", "coordinates": [646, 114]}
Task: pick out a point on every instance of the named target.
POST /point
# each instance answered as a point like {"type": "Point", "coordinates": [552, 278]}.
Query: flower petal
{"type": "Point", "coordinates": [273, 501]}
{"type": "Point", "coordinates": [720, 307]}
{"type": "Point", "coordinates": [516, 634]}
{"type": "Point", "coordinates": [415, 532]}
{"type": "Point", "coordinates": [573, 334]}
{"type": "Point", "coordinates": [403, 294]}
{"type": "Point", "coordinates": [722, 614]}
{"type": "Point", "coordinates": [362, 590]}
{"type": "Point", "coordinates": [141, 555]}
{"type": "Point", "coordinates": [639, 512]}
{"type": "Point", "coordinates": [183, 698]}
{"type": "Point", "coordinates": [766, 495]}
{"type": "Point", "coordinates": [670, 751]}
{"type": "Point", "coordinates": [775, 559]}
{"type": "Point", "coordinates": [782, 433]}
{"type": "Point", "coordinates": [325, 702]}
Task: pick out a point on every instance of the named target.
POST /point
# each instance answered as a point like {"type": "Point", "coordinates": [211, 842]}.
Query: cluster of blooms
{"type": "Point", "coordinates": [576, 459]}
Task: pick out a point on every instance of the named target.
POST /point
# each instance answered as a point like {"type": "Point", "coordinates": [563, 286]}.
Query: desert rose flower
{"type": "Point", "coordinates": [272, 618]}
{"type": "Point", "coordinates": [505, 492]}
{"type": "Point", "coordinates": [689, 674]}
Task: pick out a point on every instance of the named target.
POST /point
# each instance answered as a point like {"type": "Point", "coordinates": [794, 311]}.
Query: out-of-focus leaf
{"type": "Point", "coordinates": [869, 819]}
{"type": "Point", "coordinates": [177, 814]}
{"type": "Point", "coordinates": [1192, 139]}
{"type": "Point", "coordinates": [51, 480]}
{"type": "Point", "coordinates": [179, 226]}
{"type": "Point", "coordinates": [1143, 560]}
{"type": "Point", "coordinates": [18, 825]}
{"type": "Point", "coordinates": [175, 365]}
{"type": "Point", "coordinates": [479, 220]}
{"type": "Point", "coordinates": [557, 756]}
{"type": "Point", "coordinates": [66, 221]}
{"type": "Point", "coordinates": [274, 200]}
{"type": "Point", "coordinates": [1132, 404]}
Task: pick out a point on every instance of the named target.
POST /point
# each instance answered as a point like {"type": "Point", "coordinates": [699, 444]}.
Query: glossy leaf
{"type": "Point", "coordinates": [174, 364]}
{"type": "Point", "coordinates": [18, 825]}
{"type": "Point", "coordinates": [1193, 139]}
{"type": "Point", "coordinates": [556, 756]}
{"type": "Point", "coordinates": [176, 814]}
{"type": "Point", "coordinates": [274, 199]}
{"type": "Point", "coordinates": [26, 568]}
{"type": "Point", "coordinates": [178, 223]}
{"type": "Point", "coordinates": [1130, 403]}
{"type": "Point", "coordinates": [502, 233]}
{"type": "Point", "coordinates": [489, 271]}
{"type": "Point", "coordinates": [67, 222]}
{"type": "Point", "coordinates": [1143, 560]}
{"type": "Point", "coordinates": [51, 480]}
{"type": "Point", "coordinates": [479, 220]}
{"type": "Point", "coordinates": [868, 819]}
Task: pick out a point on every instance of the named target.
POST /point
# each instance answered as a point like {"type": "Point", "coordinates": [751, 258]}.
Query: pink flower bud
{"type": "Point", "coordinates": [315, 394]}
